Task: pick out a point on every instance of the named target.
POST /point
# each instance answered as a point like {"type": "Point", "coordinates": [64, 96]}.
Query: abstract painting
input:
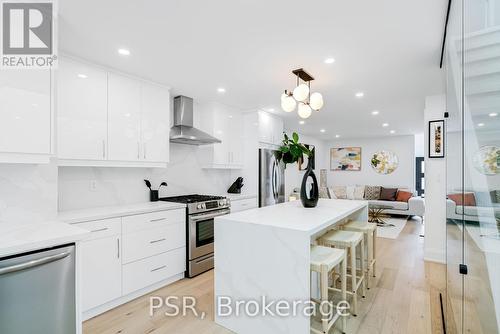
{"type": "Point", "coordinates": [384, 162]}
{"type": "Point", "coordinates": [436, 139]}
{"type": "Point", "coordinates": [345, 158]}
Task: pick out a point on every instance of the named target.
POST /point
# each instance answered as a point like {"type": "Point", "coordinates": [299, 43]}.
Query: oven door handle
{"type": "Point", "coordinates": [210, 215]}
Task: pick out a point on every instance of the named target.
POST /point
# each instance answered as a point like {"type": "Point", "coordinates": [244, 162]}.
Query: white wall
{"type": "Point", "coordinates": [28, 193]}
{"type": "Point", "coordinates": [402, 146]}
{"type": "Point", "coordinates": [118, 186]}
{"type": "Point", "coordinates": [435, 188]}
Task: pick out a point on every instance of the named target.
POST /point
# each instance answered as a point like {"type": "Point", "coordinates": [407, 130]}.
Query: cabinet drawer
{"type": "Point", "coordinates": [102, 228]}
{"type": "Point", "coordinates": [145, 243]}
{"type": "Point", "coordinates": [243, 204]}
{"type": "Point", "coordinates": [152, 220]}
{"type": "Point", "coordinates": [140, 274]}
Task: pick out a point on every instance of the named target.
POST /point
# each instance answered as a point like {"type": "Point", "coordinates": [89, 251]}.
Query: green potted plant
{"type": "Point", "coordinates": [290, 151]}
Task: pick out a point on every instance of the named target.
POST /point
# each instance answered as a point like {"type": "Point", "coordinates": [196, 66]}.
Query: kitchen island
{"type": "Point", "coordinates": [262, 259]}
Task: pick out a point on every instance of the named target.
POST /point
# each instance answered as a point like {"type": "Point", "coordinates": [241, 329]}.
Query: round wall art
{"type": "Point", "coordinates": [487, 160]}
{"type": "Point", "coordinates": [384, 162]}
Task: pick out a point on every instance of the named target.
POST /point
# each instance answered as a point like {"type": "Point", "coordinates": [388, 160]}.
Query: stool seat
{"type": "Point", "coordinates": [330, 257]}
{"type": "Point", "coordinates": [360, 226]}
{"type": "Point", "coordinates": [346, 238]}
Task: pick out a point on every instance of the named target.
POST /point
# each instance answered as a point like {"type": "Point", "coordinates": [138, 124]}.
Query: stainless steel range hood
{"type": "Point", "coordinates": [183, 131]}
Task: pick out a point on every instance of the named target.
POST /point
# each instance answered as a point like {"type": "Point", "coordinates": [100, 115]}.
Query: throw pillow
{"type": "Point", "coordinates": [350, 192]}
{"type": "Point", "coordinates": [372, 192]}
{"type": "Point", "coordinates": [388, 194]}
{"type": "Point", "coordinates": [323, 192]}
{"type": "Point", "coordinates": [340, 192]}
{"type": "Point", "coordinates": [403, 196]}
{"type": "Point", "coordinates": [466, 199]}
{"type": "Point", "coordinates": [359, 192]}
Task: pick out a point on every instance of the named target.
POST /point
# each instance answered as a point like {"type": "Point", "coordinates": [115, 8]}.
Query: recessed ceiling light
{"type": "Point", "coordinates": [360, 94]}
{"type": "Point", "coordinates": [337, 136]}
{"type": "Point", "coordinates": [322, 130]}
{"type": "Point", "coordinates": [230, 116]}
{"type": "Point", "coordinates": [385, 125]}
{"type": "Point", "coordinates": [221, 90]}
{"type": "Point", "coordinates": [124, 52]}
{"type": "Point", "coordinates": [329, 60]}
{"type": "Point", "coordinates": [302, 122]}
{"type": "Point", "coordinates": [392, 131]}
{"type": "Point", "coordinates": [480, 124]}
{"type": "Point", "coordinates": [493, 114]}
{"type": "Point", "coordinates": [270, 109]}
{"type": "Point", "coordinates": [82, 76]}
{"type": "Point", "coordinates": [375, 112]}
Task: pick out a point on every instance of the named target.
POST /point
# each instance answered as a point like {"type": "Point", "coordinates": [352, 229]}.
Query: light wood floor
{"type": "Point", "coordinates": [404, 298]}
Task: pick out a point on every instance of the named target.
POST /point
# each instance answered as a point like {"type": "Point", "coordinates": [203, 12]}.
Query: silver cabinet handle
{"type": "Point", "coordinates": [33, 263]}
{"type": "Point", "coordinates": [103, 149]}
{"type": "Point", "coordinates": [100, 230]}
{"type": "Point", "coordinates": [144, 151]}
{"type": "Point", "coordinates": [118, 248]}
{"type": "Point", "coordinates": [157, 220]}
{"type": "Point", "coordinates": [155, 241]}
{"type": "Point", "coordinates": [138, 150]}
{"type": "Point", "coordinates": [159, 268]}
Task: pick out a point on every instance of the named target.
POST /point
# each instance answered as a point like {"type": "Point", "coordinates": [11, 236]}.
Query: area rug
{"type": "Point", "coordinates": [392, 232]}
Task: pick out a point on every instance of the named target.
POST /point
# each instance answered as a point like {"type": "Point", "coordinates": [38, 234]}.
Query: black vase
{"type": "Point", "coordinates": [309, 200]}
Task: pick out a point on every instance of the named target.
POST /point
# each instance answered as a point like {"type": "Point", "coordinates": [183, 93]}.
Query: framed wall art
{"type": "Point", "coordinates": [436, 139]}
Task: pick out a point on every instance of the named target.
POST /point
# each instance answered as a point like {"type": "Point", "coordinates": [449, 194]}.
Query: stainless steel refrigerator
{"type": "Point", "coordinates": [271, 178]}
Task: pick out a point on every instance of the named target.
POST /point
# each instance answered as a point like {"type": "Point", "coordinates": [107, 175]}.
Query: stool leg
{"type": "Point", "coordinates": [324, 297]}
{"type": "Point", "coordinates": [353, 280]}
{"type": "Point", "coordinates": [363, 267]}
{"type": "Point", "coordinates": [344, 290]}
{"type": "Point", "coordinates": [374, 251]}
{"type": "Point", "coordinates": [370, 259]}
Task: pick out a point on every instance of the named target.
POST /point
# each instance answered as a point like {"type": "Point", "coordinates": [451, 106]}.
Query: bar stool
{"type": "Point", "coordinates": [370, 232]}
{"type": "Point", "coordinates": [323, 261]}
{"type": "Point", "coordinates": [349, 240]}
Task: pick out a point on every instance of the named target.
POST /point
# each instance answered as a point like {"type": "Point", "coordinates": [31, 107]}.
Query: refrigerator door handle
{"type": "Point", "coordinates": [33, 263]}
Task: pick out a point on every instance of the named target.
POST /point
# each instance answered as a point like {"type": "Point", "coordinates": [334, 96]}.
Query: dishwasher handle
{"type": "Point", "coordinates": [33, 263]}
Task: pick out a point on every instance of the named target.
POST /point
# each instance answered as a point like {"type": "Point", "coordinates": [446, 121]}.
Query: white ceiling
{"type": "Point", "coordinates": [389, 49]}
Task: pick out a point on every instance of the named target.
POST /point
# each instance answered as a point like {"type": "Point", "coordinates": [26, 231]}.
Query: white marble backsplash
{"type": "Point", "coordinates": [28, 193]}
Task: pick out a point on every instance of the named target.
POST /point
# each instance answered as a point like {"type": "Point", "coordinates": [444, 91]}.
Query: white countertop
{"type": "Point", "coordinates": [78, 216]}
{"type": "Point", "coordinates": [237, 197]}
{"type": "Point", "coordinates": [16, 239]}
{"type": "Point", "coordinates": [293, 216]}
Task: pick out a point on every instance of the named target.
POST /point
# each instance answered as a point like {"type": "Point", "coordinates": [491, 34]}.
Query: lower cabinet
{"type": "Point", "coordinates": [126, 254]}
{"type": "Point", "coordinates": [243, 204]}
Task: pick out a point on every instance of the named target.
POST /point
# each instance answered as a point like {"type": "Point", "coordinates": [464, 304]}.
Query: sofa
{"type": "Point", "coordinates": [473, 206]}
{"type": "Point", "coordinates": [408, 205]}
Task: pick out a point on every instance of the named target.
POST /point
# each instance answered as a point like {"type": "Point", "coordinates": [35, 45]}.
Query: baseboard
{"type": "Point", "coordinates": [435, 255]}
{"type": "Point", "coordinates": [125, 299]}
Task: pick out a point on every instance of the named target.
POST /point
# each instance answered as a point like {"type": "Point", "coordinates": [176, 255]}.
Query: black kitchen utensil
{"type": "Point", "coordinates": [236, 186]}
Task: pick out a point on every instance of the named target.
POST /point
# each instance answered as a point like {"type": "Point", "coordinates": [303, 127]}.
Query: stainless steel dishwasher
{"type": "Point", "coordinates": [37, 292]}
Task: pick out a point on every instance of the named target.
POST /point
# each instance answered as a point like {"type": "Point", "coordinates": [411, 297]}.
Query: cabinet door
{"type": "Point", "coordinates": [25, 113]}
{"type": "Point", "coordinates": [101, 271]}
{"type": "Point", "coordinates": [155, 123]}
{"type": "Point", "coordinates": [81, 111]}
{"type": "Point", "coordinates": [265, 127]}
{"type": "Point", "coordinates": [221, 155]}
{"type": "Point", "coordinates": [124, 118]}
{"type": "Point", "coordinates": [277, 130]}
{"type": "Point", "coordinates": [236, 139]}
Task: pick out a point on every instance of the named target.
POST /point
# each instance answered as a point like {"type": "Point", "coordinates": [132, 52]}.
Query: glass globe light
{"type": "Point", "coordinates": [316, 101]}
{"type": "Point", "coordinates": [304, 110]}
{"type": "Point", "coordinates": [288, 104]}
{"type": "Point", "coordinates": [301, 92]}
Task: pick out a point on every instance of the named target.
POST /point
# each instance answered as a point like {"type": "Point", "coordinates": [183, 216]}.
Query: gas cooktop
{"type": "Point", "coordinates": [186, 199]}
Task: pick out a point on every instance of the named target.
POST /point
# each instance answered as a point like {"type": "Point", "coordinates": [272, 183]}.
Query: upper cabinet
{"type": "Point", "coordinates": [270, 128]}
{"type": "Point", "coordinates": [81, 112]}
{"type": "Point", "coordinates": [108, 119]}
{"type": "Point", "coordinates": [26, 116]}
{"type": "Point", "coordinates": [225, 124]}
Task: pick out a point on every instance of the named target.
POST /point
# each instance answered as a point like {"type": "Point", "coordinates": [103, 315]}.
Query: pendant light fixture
{"type": "Point", "coordinates": [301, 96]}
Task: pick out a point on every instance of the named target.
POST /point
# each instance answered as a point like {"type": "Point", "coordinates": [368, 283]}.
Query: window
{"type": "Point", "coordinates": [419, 175]}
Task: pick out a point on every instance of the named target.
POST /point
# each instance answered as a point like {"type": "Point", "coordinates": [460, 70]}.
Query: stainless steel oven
{"type": "Point", "coordinates": [201, 211]}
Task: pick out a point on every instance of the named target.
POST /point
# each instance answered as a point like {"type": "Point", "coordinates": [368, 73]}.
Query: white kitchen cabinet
{"type": "Point", "coordinates": [238, 205]}
{"type": "Point", "coordinates": [101, 263]}
{"type": "Point", "coordinates": [227, 125]}
{"type": "Point", "coordinates": [26, 115]}
{"type": "Point", "coordinates": [124, 118]}
{"type": "Point", "coordinates": [82, 111]}
{"type": "Point", "coordinates": [270, 128]}
{"type": "Point", "coordinates": [155, 123]}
